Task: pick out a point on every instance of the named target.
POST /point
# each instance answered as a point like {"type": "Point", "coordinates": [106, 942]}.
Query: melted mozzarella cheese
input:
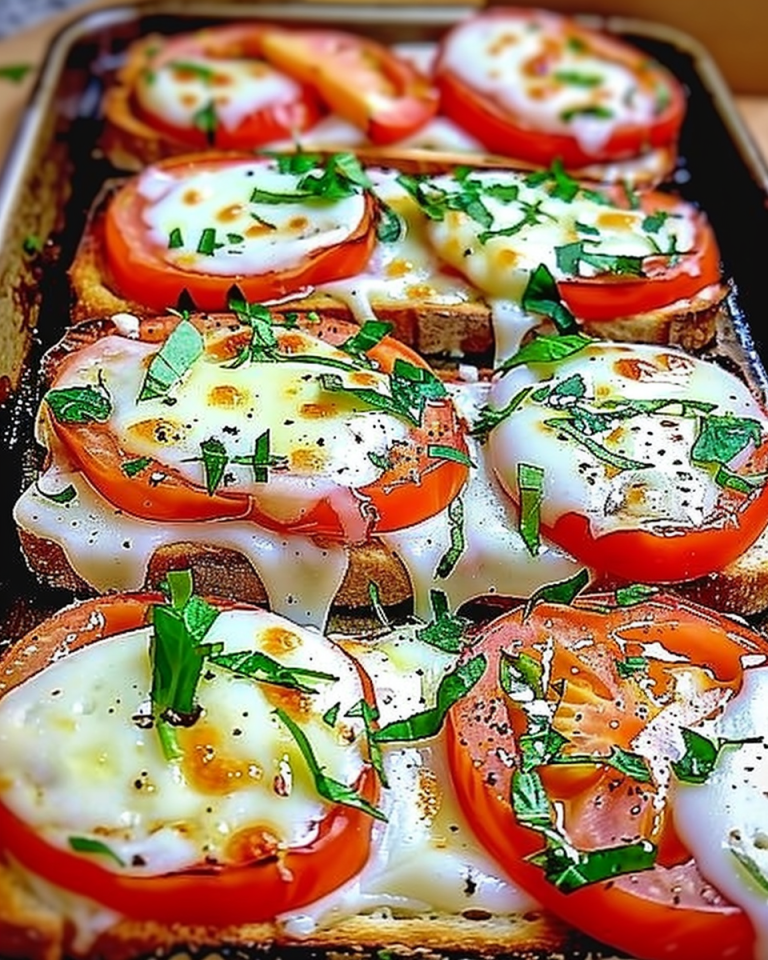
{"type": "Point", "coordinates": [86, 719]}
{"type": "Point", "coordinates": [657, 487]}
{"type": "Point", "coordinates": [526, 225]}
{"type": "Point", "coordinates": [527, 65]}
{"type": "Point", "coordinates": [210, 220]}
{"type": "Point", "coordinates": [111, 550]}
{"type": "Point", "coordinates": [724, 821]}
{"type": "Point", "coordinates": [493, 559]}
{"type": "Point", "coordinates": [80, 720]}
{"type": "Point", "coordinates": [177, 91]}
{"type": "Point", "coordinates": [326, 448]}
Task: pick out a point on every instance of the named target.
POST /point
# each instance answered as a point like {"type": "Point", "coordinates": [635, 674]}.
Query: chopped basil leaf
{"type": "Point", "coordinates": [182, 348]}
{"type": "Point", "coordinates": [369, 715]}
{"type": "Point", "coordinates": [749, 864]}
{"type": "Point", "coordinates": [262, 458]}
{"type": "Point", "coordinates": [97, 847]}
{"type": "Point", "coordinates": [32, 244]}
{"type": "Point", "coordinates": [79, 405]}
{"type": "Point", "coordinates": [589, 110]}
{"type": "Point", "coordinates": [631, 667]}
{"type": "Point", "coordinates": [564, 591]}
{"type": "Point", "coordinates": [207, 245]}
{"type": "Point", "coordinates": [458, 544]}
{"type": "Point", "coordinates": [331, 715]}
{"type": "Point", "coordinates": [532, 214]}
{"type": "Point", "coordinates": [570, 256]}
{"type": "Point", "coordinates": [721, 438]}
{"type": "Point", "coordinates": [440, 451]}
{"type": "Point", "coordinates": [576, 79]}
{"type": "Point", "coordinates": [530, 484]}
{"type": "Point", "coordinates": [613, 459]}
{"type": "Point", "coordinates": [701, 755]}
{"type": "Point", "coordinates": [629, 764]}
{"type": "Point", "coordinates": [66, 495]}
{"type": "Point", "coordinates": [265, 669]}
{"type": "Point", "coordinates": [634, 593]}
{"type": "Point", "coordinates": [570, 870]}
{"type": "Point", "coordinates": [542, 296]}
{"type": "Point", "coordinates": [132, 468]}
{"type": "Point", "coordinates": [530, 801]}
{"type": "Point", "coordinates": [489, 417]}
{"type": "Point", "coordinates": [376, 604]}
{"type": "Point", "coordinates": [411, 387]}
{"type": "Point", "coordinates": [199, 70]}
{"type": "Point", "coordinates": [367, 337]}
{"type": "Point", "coordinates": [390, 226]}
{"type": "Point", "coordinates": [328, 788]}
{"type": "Point", "coordinates": [215, 459]}
{"type": "Point", "coordinates": [206, 120]}
{"type": "Point", "coordinates": [546, 349]}
{"type": "Point", "coordinates": [521, 674]}
{"type": "Point", "coordinates": [177, 652]}
{"type": "Point", "coordinates": [452, 687]}
{"type": "Point", "coordinates": [653, 222]}
{"type": "Point", "coordinates": [446, 630]}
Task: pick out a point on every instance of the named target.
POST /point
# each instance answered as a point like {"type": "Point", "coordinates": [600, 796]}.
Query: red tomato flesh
{"type": "Point", "coordinates": [668, 910]}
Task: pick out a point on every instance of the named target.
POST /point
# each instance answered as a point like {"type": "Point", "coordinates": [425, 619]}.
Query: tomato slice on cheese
{"type": "Point", "coordinates": [652, 462]}
{"type": "Point", "coordinates": [600, 257]}
{"type": "Point", "coordinates": [568, 752]}
{"type": "Point", "coordinates": [235, 827]}
{"type": "Point", "coordinates": [213, 88]}
{"type": "Point", "coordinates": [319, 427]}
{"type": "Point", "coordinates": [362, 80]}
{"type": "Point", "coordinates": [538, 86]}
{"type": "Point", "coordinates": [202, 223]}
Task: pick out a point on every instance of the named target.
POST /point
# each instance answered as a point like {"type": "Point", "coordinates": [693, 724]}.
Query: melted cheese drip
{"type": "Point", "coordinates": [670, 491]}
{"type": "Point", "coordinates": [525, 63]}
{"type": "Point", "coordinates": [252, 236]}
{"type": "Point", "coordinates": [723, 821]}
{"type": "Point", "coordinates": [112, 550]}
{"type": "Point", "coordinates": [235, 89]}
{"type": "Point", "coordinates": [77, 720]}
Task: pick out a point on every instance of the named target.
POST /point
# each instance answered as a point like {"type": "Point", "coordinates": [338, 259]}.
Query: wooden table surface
{"type": "Point", "coordinates": [27, 50]}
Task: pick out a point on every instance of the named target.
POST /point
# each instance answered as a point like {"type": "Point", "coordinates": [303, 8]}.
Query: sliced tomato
{"type": "Point", "coordinates": [671, 511]}
{"type": "Point", "coordinates": [363, 81]}
{"type": "Point", "coordinates": [530, 133]}
{"type": "Point", "coordinates": [141, 269]}
{"type": "Point", "coordinates": [272, 107]}
{"type": "Point", "coordinates": [603, 674]}
{"type": "Point", "coordinates": [420, 480]}
{"type": "Point", "coordinates": [220, 896]}
{"type": "Point", "coordinates": [657, 558]}
{"type": "Point", "coordinates": [666, 279]}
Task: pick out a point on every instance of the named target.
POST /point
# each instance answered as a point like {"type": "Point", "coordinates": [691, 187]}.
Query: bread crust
{"type": "Point", "coordinates": [29, 930]}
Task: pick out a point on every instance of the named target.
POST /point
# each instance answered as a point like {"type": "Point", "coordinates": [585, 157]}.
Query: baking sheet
{"type": "Point", "coordinates": [54, 171]}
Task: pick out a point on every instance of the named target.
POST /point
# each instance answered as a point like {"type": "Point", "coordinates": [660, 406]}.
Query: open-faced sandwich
{"type": "Point", "coordinates": [332, 458]}
{"type": "Point", "coordinates": [458, 262]}
{"type": "Point", "coordinates": [507, 85]}
{"type": "Point", "coordinates": [185, 774]}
